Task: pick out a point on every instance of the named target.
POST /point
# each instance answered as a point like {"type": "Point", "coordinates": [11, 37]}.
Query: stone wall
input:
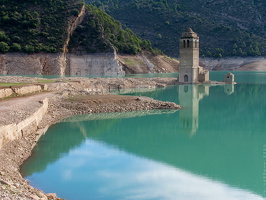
{"type": "Point", "coordinates": [29, 125]}
{"type": "Point", "coordinates": [6, 92]}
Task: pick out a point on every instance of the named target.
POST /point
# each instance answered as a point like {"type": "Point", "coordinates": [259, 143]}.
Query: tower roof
{"type": "Point", "coordinates": [189, 30]}
{"type": "Point", "coordinates": [189, 34]}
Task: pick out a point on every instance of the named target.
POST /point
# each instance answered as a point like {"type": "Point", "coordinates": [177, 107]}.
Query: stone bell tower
{"type": "Point", "coordinates": [189, 57]}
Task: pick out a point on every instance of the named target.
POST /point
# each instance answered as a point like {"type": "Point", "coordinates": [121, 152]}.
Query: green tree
{"type": "Point", "coordinates": [254, 51]}
{"type": "Point", "coordinates": [75, 12]}
{"type": "Point", "coordinates": [15, 47]}
{"type": "Point", "coordinates": [4, 47]}
{"type": "Point", "coordinates": [209, 54]}
{"type": "Point", "coordinates": [234, 52]}
{"type": "Point", "coordinates": [3, 37]}
{"type": "Point", "coordinates": [29, 49]}
{"type": "Point", "coordinates": [240, 51]}
{"type": "Point", "coordinates": [107, 32]}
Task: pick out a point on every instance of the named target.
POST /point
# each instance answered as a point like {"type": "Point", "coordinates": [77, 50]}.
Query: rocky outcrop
{"type": "Point", "coordinates": [33, 64]}
{"type": "Point", "coordinates": [148, 63]}
{"type": "Point", "coordinates": [103, 64]}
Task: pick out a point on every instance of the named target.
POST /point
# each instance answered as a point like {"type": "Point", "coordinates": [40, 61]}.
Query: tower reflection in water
{"type": "Point", "coordinates": [189, 97]}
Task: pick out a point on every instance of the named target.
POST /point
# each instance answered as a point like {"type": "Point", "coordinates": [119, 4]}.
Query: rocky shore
{"type": "Point", "coordinates": [234, 64]}
{"type": "Point", "coordinates": [66, 96]}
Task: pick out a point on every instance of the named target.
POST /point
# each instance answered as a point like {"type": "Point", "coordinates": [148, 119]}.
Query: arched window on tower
{"type": "Point", "coordinates": [184, 44]}
{"type": "Point", "coordinates": [186, 78]}
{"type": "Point", "coordinates": [187, 43]}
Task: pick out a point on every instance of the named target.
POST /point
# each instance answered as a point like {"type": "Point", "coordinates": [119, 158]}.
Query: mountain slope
{"type": "Point", "coordinates": [226, 28]}
{"type": "Point", "coordinates": [53, 26]}
{"type": "Point", "coordinates": [99, 32]}
{"type": "Point", "coordinates": [36, 25]}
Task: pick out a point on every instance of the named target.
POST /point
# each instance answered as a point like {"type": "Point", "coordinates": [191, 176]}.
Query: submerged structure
{"type": "Point", "coordinates": [189, 69]}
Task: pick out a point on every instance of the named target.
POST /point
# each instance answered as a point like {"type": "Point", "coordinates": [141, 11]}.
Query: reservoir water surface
{"type": "Point", "coordinates": [213, 148]}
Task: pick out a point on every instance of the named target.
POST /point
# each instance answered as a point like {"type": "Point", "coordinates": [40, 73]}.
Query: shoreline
{"type": "Point", "coordinates": [68, 97]}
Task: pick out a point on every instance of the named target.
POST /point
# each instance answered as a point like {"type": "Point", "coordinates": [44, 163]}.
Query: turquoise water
{"type": "Point", "coordinates": [214, 75]}
{"type": "Point", "coordinates": [213, 148]}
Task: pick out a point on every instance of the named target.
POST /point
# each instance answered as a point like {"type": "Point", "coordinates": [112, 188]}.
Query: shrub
{"type": "Point", "coordinates": [29, 49]}
{"type": "Point", "coordinates": [75, 12]}
{"type": "Point", "coordinates": [4, 47]}
{"type": "Point", "coordinates": [3, 37]}
{"type": "Point", "coordinates": [15, 47]}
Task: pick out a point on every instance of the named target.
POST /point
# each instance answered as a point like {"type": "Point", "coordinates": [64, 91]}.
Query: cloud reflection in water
{"type": "Point", "coordinates": [119, 175]}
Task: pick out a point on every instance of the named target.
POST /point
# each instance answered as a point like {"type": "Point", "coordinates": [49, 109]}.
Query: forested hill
{"type": "Point", "coordinates": [99, 32]}
{"type": "Point", "coordinates": [225, 27]}
{"type": "Point", "coordinates": [34, 26]}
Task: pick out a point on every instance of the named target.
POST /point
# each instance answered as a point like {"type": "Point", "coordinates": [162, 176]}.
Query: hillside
{"type": "Point", "coordinates": [226, 28]}
{"type": "Point", "coordinates": [99, 32]}
{"type": "Point", "coordinates": [34, 26]}
{"type": "Point", "coordinates": [71, 38]}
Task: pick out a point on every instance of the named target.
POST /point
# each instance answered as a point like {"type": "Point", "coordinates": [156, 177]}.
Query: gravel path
{"type": "Point", "coordinates": [17, 109]}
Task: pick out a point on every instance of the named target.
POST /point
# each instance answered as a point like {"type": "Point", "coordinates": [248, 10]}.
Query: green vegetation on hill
{"type": "Point", "coordinates": [99, 32]}
{"type": "Point", "coordinates": [35, 25]}
{"type": "Point", "coordinates": [226, 28]}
